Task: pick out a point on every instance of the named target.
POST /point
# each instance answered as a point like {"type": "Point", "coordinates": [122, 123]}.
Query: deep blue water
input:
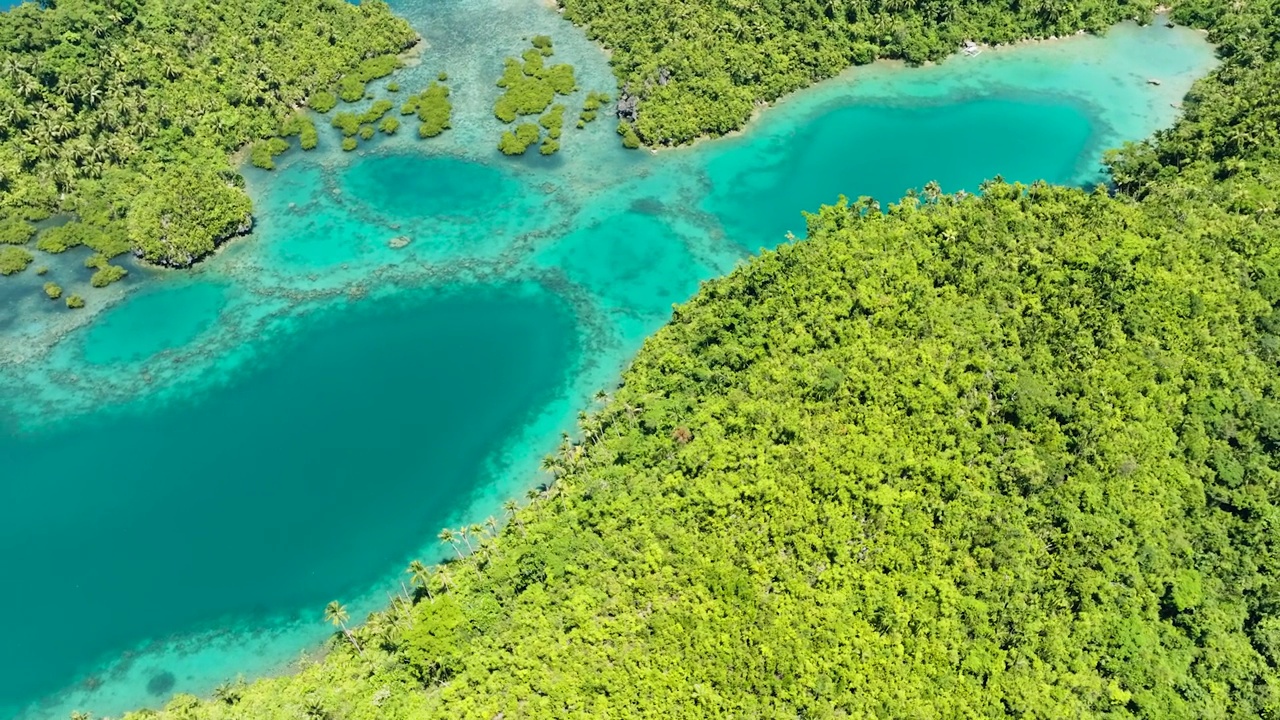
{"type": "Point", "coordinates": [170, 517]}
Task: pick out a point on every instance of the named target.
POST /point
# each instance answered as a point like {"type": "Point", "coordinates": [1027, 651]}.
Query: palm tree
{"type": "Point", "coordinates": [492, 523]}
{"type": "Point", "coordinates": [932, 191]}
{"type": "Point", "coordinates": [80, 715]}
{"type": "Point", "coordinates": [462, 533]}
{"type": "Point", "coordinates": [477, 531]}
{"type": "Point", "coordinates": [447, 536]}
{"type": "Point", "coordinates": [442, 572]}
{"type": "Point", "coordinates": [419, 576]}
{"type": "Point", "coordinates": [336, 614]}
{"type": "Point", "coordinates": [511, 506]}
{"type": "Point", "coordinates": [551, 464]}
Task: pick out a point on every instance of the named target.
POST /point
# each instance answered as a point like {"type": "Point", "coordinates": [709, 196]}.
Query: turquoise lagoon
{"type": "Point", "coordinates": [202, 460]}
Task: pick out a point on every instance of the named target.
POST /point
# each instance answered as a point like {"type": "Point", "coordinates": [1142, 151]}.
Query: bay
{"type": "Point", "coordinates": [195, 467]}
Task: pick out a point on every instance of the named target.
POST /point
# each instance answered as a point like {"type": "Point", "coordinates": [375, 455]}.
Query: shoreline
{"type": "Point", "coordinates": [741, 132]}
{"type": "Point", "coordinates": [763, 107]}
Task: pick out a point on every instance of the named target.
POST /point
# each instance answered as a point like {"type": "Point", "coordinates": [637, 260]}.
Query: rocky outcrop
{"type": "Point", "coordinates": [628, 106]}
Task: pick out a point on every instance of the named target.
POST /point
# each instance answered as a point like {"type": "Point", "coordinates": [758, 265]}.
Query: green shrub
{"type": "Point", "coordinates": [443, 76]}
{"type": "Point", "coordinates": [350, 88]}
{"type": "Point", "coordinates": [308, 139]}
{"type": "Point", "coordinates": [366, 132]}
{"type": "Point", "coordinates": [595, 100]}
{"type": "Point", "coordinates": [549, 146]}
{"type": "Point", "coordinates": [393, 87]}
{"type": "Point", "coordinates": [389, 125]}
{"type": "Point", "coordinates": [515, 143]}
{"type": "Point", "coordinates": [530, 86]}
{"type": "Point", "coordinates": [75, 302]}
{"type": "Point", "coordinates": [14, 259]}
{"type": "Point", "coordinates": [542, 43]}
{"type": "Point", "coordinates": [52, 290]}
{"type": "Point", "coordinates": [630, 140]}
{"type": "Point", "coordinates": [64, 237]}
{"type": "Point", "coordinates": [377, 67]}
{"type": "Point", "coordinates": [323, 101]}
{"type": "Point", "coordinates": [110, 241]}
{"type": "Point", "coordinates": [348, 123]}
{"type": "Point", "coordinates": [15, 232]}
{"type": "Point", "coordinates": [107, 274]}
{"type": "Point", "coordinates": [561, 79]}
{"type": "Point", "coordinates": [376, 111]}
{"type": "Point", "coordinates": [264, 152]}
{"type": "Point", "coordinates": [434, 110]}
{"type": "Point", "coordinates": [349, 144]}
{"type": "Point", "coordinates": [292, 125]}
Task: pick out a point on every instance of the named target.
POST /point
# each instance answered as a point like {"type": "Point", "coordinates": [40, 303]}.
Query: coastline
{"type": "Point", "coordinates": [846, 76]}
{"type": "Point", "coordinates": [786, 99]}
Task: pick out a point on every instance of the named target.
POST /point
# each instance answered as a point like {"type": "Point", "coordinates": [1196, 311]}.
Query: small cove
{"type": "Point", "coordinates": [229, 449]}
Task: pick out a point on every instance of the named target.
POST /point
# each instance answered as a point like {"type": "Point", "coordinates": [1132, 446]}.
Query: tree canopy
{"type": "Point", "coordinates": [1007, 454]}
{"type": "Point", "coordinates": [702, 67]}
{"type": "Point", "coordinates": [125, 112]}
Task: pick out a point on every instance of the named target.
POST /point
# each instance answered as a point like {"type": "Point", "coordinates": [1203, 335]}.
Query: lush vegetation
{"type": "Point", "coordinates": [531, 89]}
{"type": "Point", "coordinates": [433, 109]}
{"type": "Point", "coordinates": [702, 67]}
{"type": "Point", "coordinates": [515, 142]}
{"type": "Point", "coordinates": [1015, 454]}
{"type": "Point", "coordinates": [530, 86]}
{"type": "Point", "coordinates": [591, 106]}
{"type": "Point", "coordinates": [124, 112]}
{"type": "Point", "coordinates": [14, 259]}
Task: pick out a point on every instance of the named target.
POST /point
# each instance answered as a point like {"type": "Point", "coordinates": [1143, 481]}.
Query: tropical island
{"type": "Point", "coordinates": [1011, 453]}
{"type": "Point", "coordinates": [1008, 453]}
{"type": "Point", "coordinates": [124, 115]}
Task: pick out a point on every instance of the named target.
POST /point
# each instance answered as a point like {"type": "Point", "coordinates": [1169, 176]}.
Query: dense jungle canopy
{"type": "Point", "coordinates": [702, 67]}
{"type": "Point", "coordinates": [124, 112]}
{"type": "Point", "coordinates": [1013, 454]}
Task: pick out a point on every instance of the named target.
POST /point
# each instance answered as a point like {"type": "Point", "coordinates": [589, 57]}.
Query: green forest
{"type": "Point", "coordinates": [702, 67]}
{"type": "Point", "coordinates": [125, 113]}
{"type": "Point", "coordinates": [1006, 454]}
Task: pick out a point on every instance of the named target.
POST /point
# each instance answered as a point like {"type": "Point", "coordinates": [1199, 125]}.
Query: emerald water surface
{"type": "Point", "coordinates": [191, 473]}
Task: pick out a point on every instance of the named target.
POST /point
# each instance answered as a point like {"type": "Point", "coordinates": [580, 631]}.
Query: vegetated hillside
{"type": "Point", "coordinates": [700, 67]}
{"type": "Point", "coordinates": [1008, 455]}
{"type": "Point", "coordinates": [123, 112]}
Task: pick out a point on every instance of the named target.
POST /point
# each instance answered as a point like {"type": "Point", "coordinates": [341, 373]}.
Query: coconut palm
{"type": "Point", "coordinates": [492, 523]}
{"type": "Point", "coordinates": [551, 464]}
{"type": "Point", "coordinates": [442, 572]}
{"type": "Point", "coordinates": [336, 614]}
{"type": "Point", "coordinates": [463, 532]}
{"type": "Point", "coordinates": [419, 576]}
{"type": "Point", "coordinates": [447, 536]}
{"type": "Point", "coordinates": [511, 506]}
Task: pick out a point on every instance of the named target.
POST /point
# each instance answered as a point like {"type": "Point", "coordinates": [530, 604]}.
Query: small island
{"type": "Point", "coordinates": [531, 87]}
{"type": "Point", "coordinates": [83, 127]}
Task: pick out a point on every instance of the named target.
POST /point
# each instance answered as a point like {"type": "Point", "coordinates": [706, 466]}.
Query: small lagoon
{"type": "Point", "coordinates": [192, 472]}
